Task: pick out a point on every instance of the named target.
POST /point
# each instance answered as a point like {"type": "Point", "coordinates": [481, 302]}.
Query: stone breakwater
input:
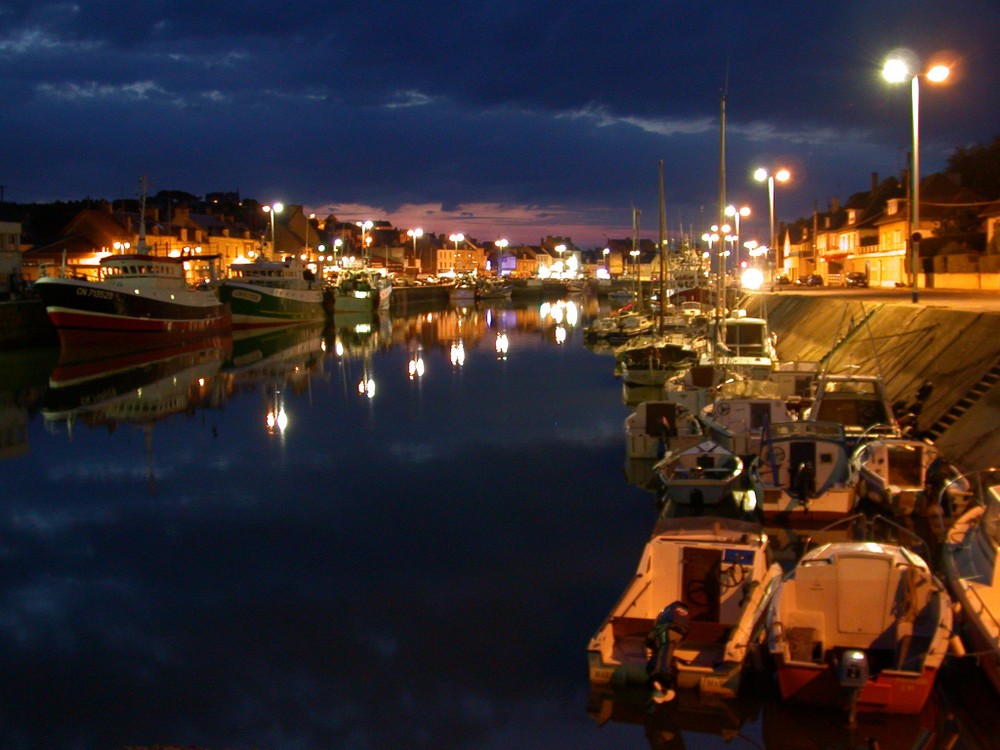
{"type": "Point", "coordinates": [909, 345]}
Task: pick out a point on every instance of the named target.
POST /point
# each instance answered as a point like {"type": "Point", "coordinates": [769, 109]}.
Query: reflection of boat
{"type": "Point", "coordinates": [721, 570]}
{"type": "Point", "coordinates": [804, 470]}
{"type": "Point", "coordinates": [893, 473]}
{"type": "Point", "coordinates": [276, 353]}
{"type": "Point", "coordinates": [665, 727]}
{"type": "Point", "coordinates": [700, 475]}
{"type": "Point", "coordinates": [137, 387]}
{"type": "Point", "coordinates": [138, 296]}
{"type": "Point", "coordinates": [861, 626]}
{"type": "Point", "coordinates": [970, 565]}
{"type": "Point", "coordinates": [269, 293]}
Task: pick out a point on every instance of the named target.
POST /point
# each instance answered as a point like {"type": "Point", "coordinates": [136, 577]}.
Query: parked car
{"type": "Point", "coordinates": [811, 279]}
{"type": "Point", "coordinates": [782, 280]}
{"type": "Point", "coordinates": [856, 278]}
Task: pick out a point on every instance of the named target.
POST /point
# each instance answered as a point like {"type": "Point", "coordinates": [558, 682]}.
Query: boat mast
{"type": "Point", "coordinates": [141, 247]}
{"type": "Point", "coordinates": [663, 220]}
{"type": "Point", "coordinates": [635, 254]}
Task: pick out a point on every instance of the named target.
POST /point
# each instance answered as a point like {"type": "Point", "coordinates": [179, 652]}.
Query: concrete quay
{"type": "Point", "coordinates": [956, 349]}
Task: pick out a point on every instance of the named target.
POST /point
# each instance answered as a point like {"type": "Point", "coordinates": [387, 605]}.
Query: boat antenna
{"type": "Point", "coordinates": [141, 247]}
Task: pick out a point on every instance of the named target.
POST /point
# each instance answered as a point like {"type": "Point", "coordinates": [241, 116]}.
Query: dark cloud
{"type": "Point", "coordinates": [386, 104]}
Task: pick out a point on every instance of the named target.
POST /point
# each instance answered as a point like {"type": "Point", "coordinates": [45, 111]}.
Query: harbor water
{"type": "Point", "coordinates": [387, 532]}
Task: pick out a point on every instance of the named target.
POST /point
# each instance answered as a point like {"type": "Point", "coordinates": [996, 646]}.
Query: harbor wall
{"type": "Point", "coordinates": [908, 345]}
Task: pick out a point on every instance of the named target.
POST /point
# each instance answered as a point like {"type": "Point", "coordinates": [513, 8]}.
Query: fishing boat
{"type": "Point", "coordinates": [492, 289]}
{"type": "Point", "coordinates": [272, 293]}
{"type": "Point", "coordinates": [803, 471]}
{"type": "Point", "coordinates": [858, 402]}
{"type": "Point", "coordinates": [860, 626]}
{"type": "Point", "coordinates": [702, 475]}
{"type": "Point", "coordinates": [894, 473]}
{"type": "Point", "coordinates": [970, 567]}
{"type": "Point", "coordinates": [463, 292]}
{"type": "Point", "coordinates": [361, 291]}
{"type": "Point", "coordinates": [656, 427]}
{"type": "Point", "coordinates": [632, 324]}
{"type": "Point", "coordinates": [720, 570]}
{"type": "Point", "coordinates": [134, 298]}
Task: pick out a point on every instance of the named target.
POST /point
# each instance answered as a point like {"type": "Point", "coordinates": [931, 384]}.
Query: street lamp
{"type": "Point", "coordinates": [274, 208]}
{"type": "Point", "coordinates": [414, 233]}
{"type": "Point", "coordinates": [308, 219]}
{"type": "Point", "coordinates": [501, 244]}
{"type": "Point", "coordinates": [365, 226]}
{"type": "Point", "coordinates": [897, 70]}
{"type": "Point", "coordinates": [562, 268]}
{"type": "Point", "coordinates": [736, 213]}
{"type": "Point", "coordinates": [337, 244]}
{"type": "Point", "coordinates": [762, 175]}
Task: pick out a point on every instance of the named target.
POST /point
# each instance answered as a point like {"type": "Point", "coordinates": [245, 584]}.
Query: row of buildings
{"type": "Point", "coordinates": [870, 233]}
{"type": "Point", "coordinates": [958, 247]}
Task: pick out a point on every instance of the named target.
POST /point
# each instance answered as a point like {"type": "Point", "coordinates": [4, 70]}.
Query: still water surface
{"type": "Point", "coordinates": [395, 537]}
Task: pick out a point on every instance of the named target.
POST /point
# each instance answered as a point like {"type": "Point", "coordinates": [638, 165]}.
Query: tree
{"type": "Point", "coordinates": [978, 168]}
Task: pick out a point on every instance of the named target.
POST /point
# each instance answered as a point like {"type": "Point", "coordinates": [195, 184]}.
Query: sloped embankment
{"type": "Point", "coordinates": [957, 351]}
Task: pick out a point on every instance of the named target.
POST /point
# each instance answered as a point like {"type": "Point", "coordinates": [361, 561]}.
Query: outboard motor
{"type": "Point", "coordinates": [668, 632]}
{"type": "Point", "coordinates": [853, 673]}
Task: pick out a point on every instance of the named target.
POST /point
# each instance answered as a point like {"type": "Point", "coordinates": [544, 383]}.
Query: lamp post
{"type": "Point", "coordinates": [562, 268]}
{"type": "Point", "coordinates": [711, 239]}
{"type": "Point", "coordinates": [736, 213]}
{"type": "Point", "coordinates": [606, 252]}
{"type": "Point", "coordinates": [274, 208]}
{"type": "Point", "coordinates": [456, 238]}
{"type": "Point", "coordinates": [762, 175]}
{"type": "Point", "coordinates": [309, 218]}
{"type": "Point", "coordinates": [414, 233]}
{"type": "Point", "coordinates": [897, 70]}
{"type": "Point", "coordinates": [365, 226]}
{"type": "Point", "coordinates": [337, 244]}
{"type": "Point", "coordinates": [501, 244]}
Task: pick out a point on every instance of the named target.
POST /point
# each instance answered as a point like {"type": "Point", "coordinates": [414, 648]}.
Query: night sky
{"type": "Point", "coordinates": [509, 118]}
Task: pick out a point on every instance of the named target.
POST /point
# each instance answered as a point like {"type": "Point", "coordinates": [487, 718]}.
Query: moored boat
{"type": "Point", "coordinates": [272, 293]}
{"type": "Point", "coordinates": [361, 291]}
{"type": "Point", "coordinates": [858, 402]}
{"type": "Point", "coordinates": [803, 471]}
{"type": "Point", "coordinates": [971, 569]}
{"type": "Point", "coordinates": [656, 427]}
{"type": "Point", "coordinates": [698, 476]}
{"type": "Point", "coordinates": [859, 626]}
{"type": "Point", "coordinates": [894, 473]}
{"type": "Point", "coordinates": [138, 297]}
{"type": "Point", "coordinates": [721, 572]}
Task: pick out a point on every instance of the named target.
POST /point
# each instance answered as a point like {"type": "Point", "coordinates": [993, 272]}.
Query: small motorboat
{"type": "Point", "coordinates": [858, 402]}
{"type": "Point", "coordinates": [656, 427]}
{"type": "Point", "coordinates": [804, 471]}
{"type": "Point", "coordinates": [859, 625]}
{"type": "Point", "coordinates": [970, 567]}
{"type": "Point", "coordinates": [720, 570]}
{"type": "Point", "coordinates": [702, 475]}
{"type": "Point", "coordinates": [894, 473]}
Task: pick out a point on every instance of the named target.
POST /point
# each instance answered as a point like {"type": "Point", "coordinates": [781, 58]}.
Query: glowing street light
{"type": "Point", "coordinates": [365, 227]}
{"type": "Point", "coordinates": [736, 214]}
{"type": "Point", "coordinates": [274, 208]}
{"type": "Point", "coordinates": [897, 69]}
{"type": "Point", "coordinates": [762, 175]}
{"type": "Point", "coordinates": [501, 246]}
{"type": "Point", "coordinates": [414, 233]}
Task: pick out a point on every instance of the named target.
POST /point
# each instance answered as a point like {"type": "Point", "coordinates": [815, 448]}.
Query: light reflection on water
{"type": "Point", "coordinates": [388, 533]}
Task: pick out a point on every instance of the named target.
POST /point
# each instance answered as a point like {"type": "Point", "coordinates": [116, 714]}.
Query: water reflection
{"type": "Point", "coordinates": [420, 565]}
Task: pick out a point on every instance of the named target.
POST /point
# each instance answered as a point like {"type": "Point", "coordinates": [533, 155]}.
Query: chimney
{"type": "Point", "coordinates": [834, 205]}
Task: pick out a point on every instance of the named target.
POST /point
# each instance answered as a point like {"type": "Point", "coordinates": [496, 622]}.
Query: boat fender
{"type": "Point", "coordinates": [956, 647]}
{"type": "Point", "coordinates": [958, 613]}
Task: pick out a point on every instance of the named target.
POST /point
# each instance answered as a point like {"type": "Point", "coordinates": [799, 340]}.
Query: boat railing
{"type": "Point", "coordinates": [868, 530]}
{"type": "Point", "coordinates": [81, 272]}
{"type": "Point", "coordinates": [983, 611]}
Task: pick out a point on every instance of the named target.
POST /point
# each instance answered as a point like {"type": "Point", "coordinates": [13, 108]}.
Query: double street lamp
{"type": "Point", "coordinates": [274, 208]}
{"type": "Point", "coordinates": [897, 69]}
{"type": "Point", "coordinates": [762, 175]}
{"type": "Point", "coordinates": [736, 214]}
{"type": "Point", "coordinates": [501, 244]}
{"type": "Point", "coordinates": [414, 233]}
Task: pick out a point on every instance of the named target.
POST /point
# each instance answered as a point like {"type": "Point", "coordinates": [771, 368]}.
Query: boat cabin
{"type": "Point", "coordinates": [860, 403]}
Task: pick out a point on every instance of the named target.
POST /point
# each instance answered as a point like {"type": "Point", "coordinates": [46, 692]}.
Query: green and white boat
{"type": "Point", "coordinates": [272, 293]}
